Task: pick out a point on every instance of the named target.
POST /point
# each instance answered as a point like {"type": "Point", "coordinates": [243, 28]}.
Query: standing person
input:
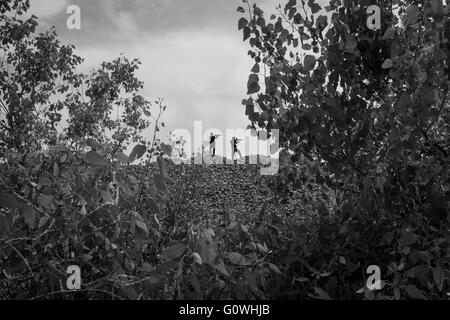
{"type": "Point", "coordinates": [234, 148]}
{"type": "Point", "coordinates": [212, 143]}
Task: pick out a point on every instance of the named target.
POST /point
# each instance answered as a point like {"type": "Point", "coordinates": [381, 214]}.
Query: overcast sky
{"type": "Point", "coordinates": [191, 51]}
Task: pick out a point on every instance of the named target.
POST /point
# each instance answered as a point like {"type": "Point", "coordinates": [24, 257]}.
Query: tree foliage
{"type": "Point", "coordinates": [370, 110]}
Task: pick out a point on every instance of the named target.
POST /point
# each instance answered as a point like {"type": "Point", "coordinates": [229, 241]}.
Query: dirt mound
{"type": "Point", "coordinates": [214, 187]}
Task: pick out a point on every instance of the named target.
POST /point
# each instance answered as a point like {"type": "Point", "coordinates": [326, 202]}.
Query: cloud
{"type": "Point", "coordinates": [200, 77]}
{"type": "Point", "coordinates": [128, 20]}
{"type": "Point", "coordinates": [48, 8]}
{"type": "Point", "coordinates": [192, 53]}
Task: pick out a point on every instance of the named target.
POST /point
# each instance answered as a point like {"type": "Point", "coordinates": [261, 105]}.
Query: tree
{"type": "Point", "coordinates": [63, 192]}
{"type": "Point", "coordinates": [369, 109]}
{"type": "Point", "coordinates": [35, 69]}
{"type": "Point", "coordinates": [368, 104]}
{"type": "Point", "coordinates": [39, 85]}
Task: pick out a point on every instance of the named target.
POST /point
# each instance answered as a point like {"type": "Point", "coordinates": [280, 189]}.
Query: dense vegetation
{"type": "Point", "coordinates": [364, 115]}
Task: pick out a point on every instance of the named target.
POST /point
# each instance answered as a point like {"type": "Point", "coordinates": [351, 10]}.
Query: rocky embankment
{"type": "Point", "coordinates": [210, 188]}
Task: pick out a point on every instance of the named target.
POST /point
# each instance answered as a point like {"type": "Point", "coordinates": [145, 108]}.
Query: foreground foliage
{"type": "Point", "coordinates": [369, 110]}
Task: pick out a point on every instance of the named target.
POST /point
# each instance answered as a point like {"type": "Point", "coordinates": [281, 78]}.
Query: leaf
{"type": "Point", "coordinates": [207, 250]}
{"type": "Point", "coordinates": [437, 7]}
{"type": "Point", "coordinates": [414, 293]}
{"type": "Point", "coordinates": [59, 147]}
{"type": "Point", "coordinates": [257, 11]}
{"type": "Point", "coordinates": [249, 109]}
{"type": "Point", "coordinates": [142, 225]}
{"type": "Point", "coordinates": [146, 267]}
{"type": "Point", "coordinates": [242, 23]}
{"type": "Point", "coordinates": [95, 159]}
{"type": "Point", "coordinates": [130, 292]}
{"type": "Point", "coordinates": [93, 144]}
{"type": "Point", "coordinates": [253, 88]}
{"type": "Point", "coordinates": [220, 266]}
{"type": "Point", "coordinates": [86, 257]}
{"type": "Point", "coordinates": [196, 257]}
{"type": "Point", "coordinates": [252, 84]}
{"type": "Point", "coordinates": [159, 182]}
{"type": "Point", "coordinates": [55, 169]}
{"type": "Point", "coordinates": [132, 179]}
{"type": "Point", "coordinates": [29, 215]}
{"type": "Point", "coordinates": [298, 19]}
{"type": "Point", "coordinates": [173, 252]}
{"type": "Point", "coordinates": [45, 201]}
{"type": "Point", "coordinates": [387, 238]}
{"type": "Point", "coordinates": [387, 64]}
{"type": "Point", "coordinates": [9, 201]}
{"type": "Point", "coordinates": [237, 258]}
{"type": "Point", "coordinates": [351, 44]}
{"type": "Point", "coordinates": [420, 272]}
{"type": "Point", "coordinates": [253, 78]}
{"type": "Point", "coordinates": [397, 293]}
{"type": "Point", "coordinates": [321, 293]}
{"type": "Point", "coordinates": [389, 34]}
{"type": "Point", "coordinates": [362, 290]}
{"type": "Point", "coordinates": [325, 274]}
{"type": "Point", "coordinates": [122, 157]}
{"type": "Point", "coordinates": [137, 153]}
{"type": "Point", "coordinates": [5, 227]}
{"type": "Point", "coordinates": [117, 136]}
{"type": "Point", "coordinates": [240, 9]}
{"type": "Point", "coordinates": [63, 158]}
{"type": "Point", "coordinates": [166, 149]}
{"type": "Point", "coordinates": [261, 248]}
{"type": "Point", "coordinates": [244, 232]}
{"type": "Point", "coordinates": [152, 205]}
{"type": "Point", "coordinates": [428, 96]}
{"type": "Point", "coordinates": [247, 102]}
{"type": "Point", "coordinates": [106, 197]}
{"type": "Point", "coordinates": [412, 15]}
{"type": "Point", "coordinates": [255, 68]}
{"type": "Point", "coordinates": [274, 268]}
{"type": "Point", "coordinates": [290, 4]}
{"type": "Point", "coordinates": [43, 222]}
{"type": "Point", "coordinates": [439, 277]}
{"type": "Point", "coordinates": [261, 22]}
{"type": "Point", "coordinates": [309, 62]}
{"type": "Point", "coordinates": [162, 166]}
{"type": "Point", "coordinates": [246, 33]}
{"type": "Point", "coordinates": [315, 7]}
{"type": "Point", "coordinates": [322, 22]}
{"type": "Point", "coordinates": [407, 239]}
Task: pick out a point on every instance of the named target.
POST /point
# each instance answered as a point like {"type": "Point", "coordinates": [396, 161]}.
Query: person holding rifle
{"type": "Point", "coordinates": [234, 142]}
{"type": "Point", "coordinates": [212, 143]}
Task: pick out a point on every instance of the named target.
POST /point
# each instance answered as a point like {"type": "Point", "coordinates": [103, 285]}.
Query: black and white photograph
{"type": "Point", "coordinates": [225, 154]}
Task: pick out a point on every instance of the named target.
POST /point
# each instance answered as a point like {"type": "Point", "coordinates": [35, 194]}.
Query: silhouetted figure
{"type": "Point", "coordinates": [234, 148]}
{"type": "Point", "coordinates": [212, 143]}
